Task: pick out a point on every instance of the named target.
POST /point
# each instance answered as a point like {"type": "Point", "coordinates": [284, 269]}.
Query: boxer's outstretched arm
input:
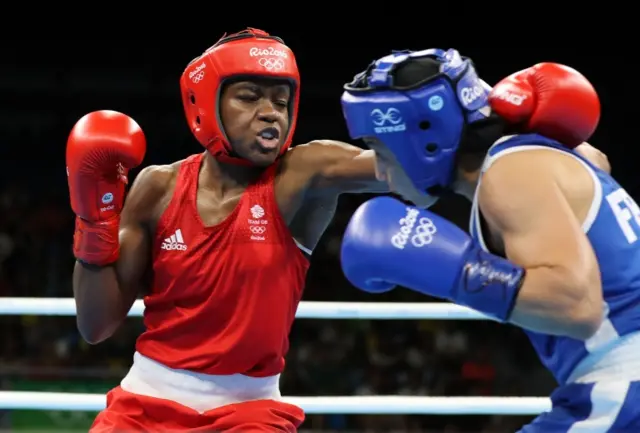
{"type": "Point", "coordinates": [328, 168]}
{"type": "Point", "coordinates": [104, 295]}
{"type": "Point", "coordinates": [561, 293]}
{"type": "Point", "coordinates": [340, 167]}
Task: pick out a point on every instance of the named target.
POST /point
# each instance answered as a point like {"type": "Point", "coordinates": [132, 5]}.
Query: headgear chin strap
{"type": "Point", "coordinates": [251, 53]}
{"type": "Point", "coordinates": [421, 120]}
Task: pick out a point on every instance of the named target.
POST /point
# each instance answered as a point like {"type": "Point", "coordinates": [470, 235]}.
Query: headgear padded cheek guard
{"type": "Point", "coordinates": [421, 119]}
{"type": "Point", "coordinates": [251, 53]}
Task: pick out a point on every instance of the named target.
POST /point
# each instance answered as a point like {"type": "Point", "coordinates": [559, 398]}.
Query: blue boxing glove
{"type": "Point", "coordinates": [388, 243]}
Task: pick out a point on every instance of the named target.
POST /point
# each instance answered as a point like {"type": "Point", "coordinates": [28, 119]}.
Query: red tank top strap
{"type": "Point", "coordinates": [265, 184]}
{"type": "Point", "coordinates": [259, 215]}
{"type": "Point", "coordinates": [183, 191]}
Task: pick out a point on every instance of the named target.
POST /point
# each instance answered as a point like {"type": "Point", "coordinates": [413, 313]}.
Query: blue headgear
{"type": "Point", "coordinates": [423, 123]}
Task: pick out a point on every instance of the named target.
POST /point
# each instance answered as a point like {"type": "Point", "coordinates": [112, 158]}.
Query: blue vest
{"type": "Point", "coordinates": [613, 228]}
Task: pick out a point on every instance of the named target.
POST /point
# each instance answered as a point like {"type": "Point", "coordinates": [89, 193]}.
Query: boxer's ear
{"type": "Point", "coordinates": [479, 136]}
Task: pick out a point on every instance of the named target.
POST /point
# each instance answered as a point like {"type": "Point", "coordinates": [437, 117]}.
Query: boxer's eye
{"type": "Point", "coordinates": [248, 97]}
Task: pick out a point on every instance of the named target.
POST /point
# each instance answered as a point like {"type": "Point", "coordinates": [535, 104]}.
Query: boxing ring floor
{"type": "Point", "coordinates": [387, 405]}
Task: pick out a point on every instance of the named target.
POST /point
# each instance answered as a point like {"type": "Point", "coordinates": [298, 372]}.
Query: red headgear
{"type": "Point", "coordinates": [249, 53]}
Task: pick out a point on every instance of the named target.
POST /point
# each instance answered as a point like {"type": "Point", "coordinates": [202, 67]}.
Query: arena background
{"type": "Point", "coordinates": [46, 85]}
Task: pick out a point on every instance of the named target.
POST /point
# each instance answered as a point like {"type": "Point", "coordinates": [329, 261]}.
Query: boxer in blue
{"type": "Point", "coordinates": [553, 245]}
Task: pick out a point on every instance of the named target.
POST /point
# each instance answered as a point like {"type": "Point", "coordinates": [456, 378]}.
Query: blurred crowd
{"type": "Point", "coordinates": [327, 357]}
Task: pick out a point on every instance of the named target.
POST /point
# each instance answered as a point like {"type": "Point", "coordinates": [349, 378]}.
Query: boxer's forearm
{"type": "Point", "coordinates": [100, 304]}
{"type": "Point", "coordinates": [556, 302]}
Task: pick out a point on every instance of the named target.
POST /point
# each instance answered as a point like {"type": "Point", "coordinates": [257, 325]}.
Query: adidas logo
{"type": "Point", "coordinates": [174, 242]}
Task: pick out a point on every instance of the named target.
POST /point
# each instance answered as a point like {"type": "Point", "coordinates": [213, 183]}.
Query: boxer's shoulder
{"type": "Point", "coordinates": [156, 180]}
{"type": "Point", "coordinates": [594, 156]}
{"type": "Point", "coordinates": [152, 187]}
{"type": "Point", "coordinates": [525, 171]}
{"type": "Point", "coordinates": [529, 162]}
{"type": "Point", "coordinates": [533, 176]}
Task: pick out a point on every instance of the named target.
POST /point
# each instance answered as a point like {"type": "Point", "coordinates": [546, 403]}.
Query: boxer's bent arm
{"type": "Point", "coordinates": [561, 293]}
{"type": "Point", "coordinates": [339, 167]}
{"type": "Point", "coordinates": [105, 295]}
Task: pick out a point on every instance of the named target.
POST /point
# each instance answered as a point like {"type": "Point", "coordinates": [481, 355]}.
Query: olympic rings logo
{"type": "Point", "coordinates": [271, 64]}
{"type": "Point", "coordinates": [258, 230]}
{"type": "Point", "coordinates": [198, 77]}
{"type": "Point", "coordinates": [424, 233]}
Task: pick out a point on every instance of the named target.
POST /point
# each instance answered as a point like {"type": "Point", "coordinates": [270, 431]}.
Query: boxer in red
{"type": "Point", "coordinates": [215, 242]}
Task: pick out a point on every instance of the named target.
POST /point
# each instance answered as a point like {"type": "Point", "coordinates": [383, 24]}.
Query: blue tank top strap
{"type": "Point", "coordinates": [522, 140]}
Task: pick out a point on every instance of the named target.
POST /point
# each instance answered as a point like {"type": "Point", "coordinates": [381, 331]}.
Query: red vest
{"type": "Point", "coordinates": [224, 297]}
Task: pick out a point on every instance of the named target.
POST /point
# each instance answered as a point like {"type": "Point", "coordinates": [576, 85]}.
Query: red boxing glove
{"type": "Point", "coordinates": [550, 99]}
{"type": "Point", "coordinates": [101, 149]}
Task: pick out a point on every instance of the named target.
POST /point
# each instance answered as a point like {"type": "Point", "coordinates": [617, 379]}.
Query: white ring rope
{"type": "Point", "coordinates": [306, 310]}
{"type": "Point", "coordinates": [311, 405]}
{"type": "Point", "coordinates": [389, 405]}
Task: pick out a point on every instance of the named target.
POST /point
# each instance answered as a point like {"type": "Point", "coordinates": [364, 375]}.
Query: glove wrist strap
{"type": "Point", "coordinates": [96, 243]}
{"type": "Point", "coordinates": [93, 266]}
{"type": "Point", "coordinates": [489, 284]}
